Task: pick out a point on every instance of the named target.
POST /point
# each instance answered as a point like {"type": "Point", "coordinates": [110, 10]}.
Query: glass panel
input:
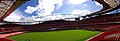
{"type": "Point", "coordinates": [4, 7]}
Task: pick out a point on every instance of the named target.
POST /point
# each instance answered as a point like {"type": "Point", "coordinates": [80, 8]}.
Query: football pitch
{"type": "Point", "coordinates": [65, 35]}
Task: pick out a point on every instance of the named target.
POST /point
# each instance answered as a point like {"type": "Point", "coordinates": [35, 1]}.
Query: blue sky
{"type": "Point", "coordinates": [37, 10]}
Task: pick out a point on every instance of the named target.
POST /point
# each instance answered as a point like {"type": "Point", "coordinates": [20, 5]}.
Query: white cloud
{"type": "Point", "coordinates": [30, 9]}
{"type": "Point", "coordinates": [81, 12]}
{"type": "Point", "coordinates": [77, 1]}
{"type": "Point", "coordinates": [59, 2]}
{"type": "Point", "coordinates": [53, 17]}
{"type": "Point", "coordinates": [98, 4]}
{"type": "Point", "coordinates": [74, 14]}
{"type": "Point", "coordinates": [45, 7]}
{"type": "Point", "coordinates": [85, 5]}
{"type": "Point", "coordinates": [26, 19]}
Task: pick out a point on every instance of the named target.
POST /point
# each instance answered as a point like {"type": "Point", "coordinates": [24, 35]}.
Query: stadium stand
{"type": "Point", "coordinates": [112, 35]}
{"type": "Point", "coordinates": [101, 23]}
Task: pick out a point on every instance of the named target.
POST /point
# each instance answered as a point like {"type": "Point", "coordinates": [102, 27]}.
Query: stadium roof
{"type": "Point", "coordinates": [108, 6]}
{"type": "Point", "coordinates": [7, 7]}
{"type": "Point", "coordinates": [44, 10]}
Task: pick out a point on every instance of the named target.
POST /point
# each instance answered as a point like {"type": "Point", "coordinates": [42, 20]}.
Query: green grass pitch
{"type": "Point", "coordinates": [65, 35]}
